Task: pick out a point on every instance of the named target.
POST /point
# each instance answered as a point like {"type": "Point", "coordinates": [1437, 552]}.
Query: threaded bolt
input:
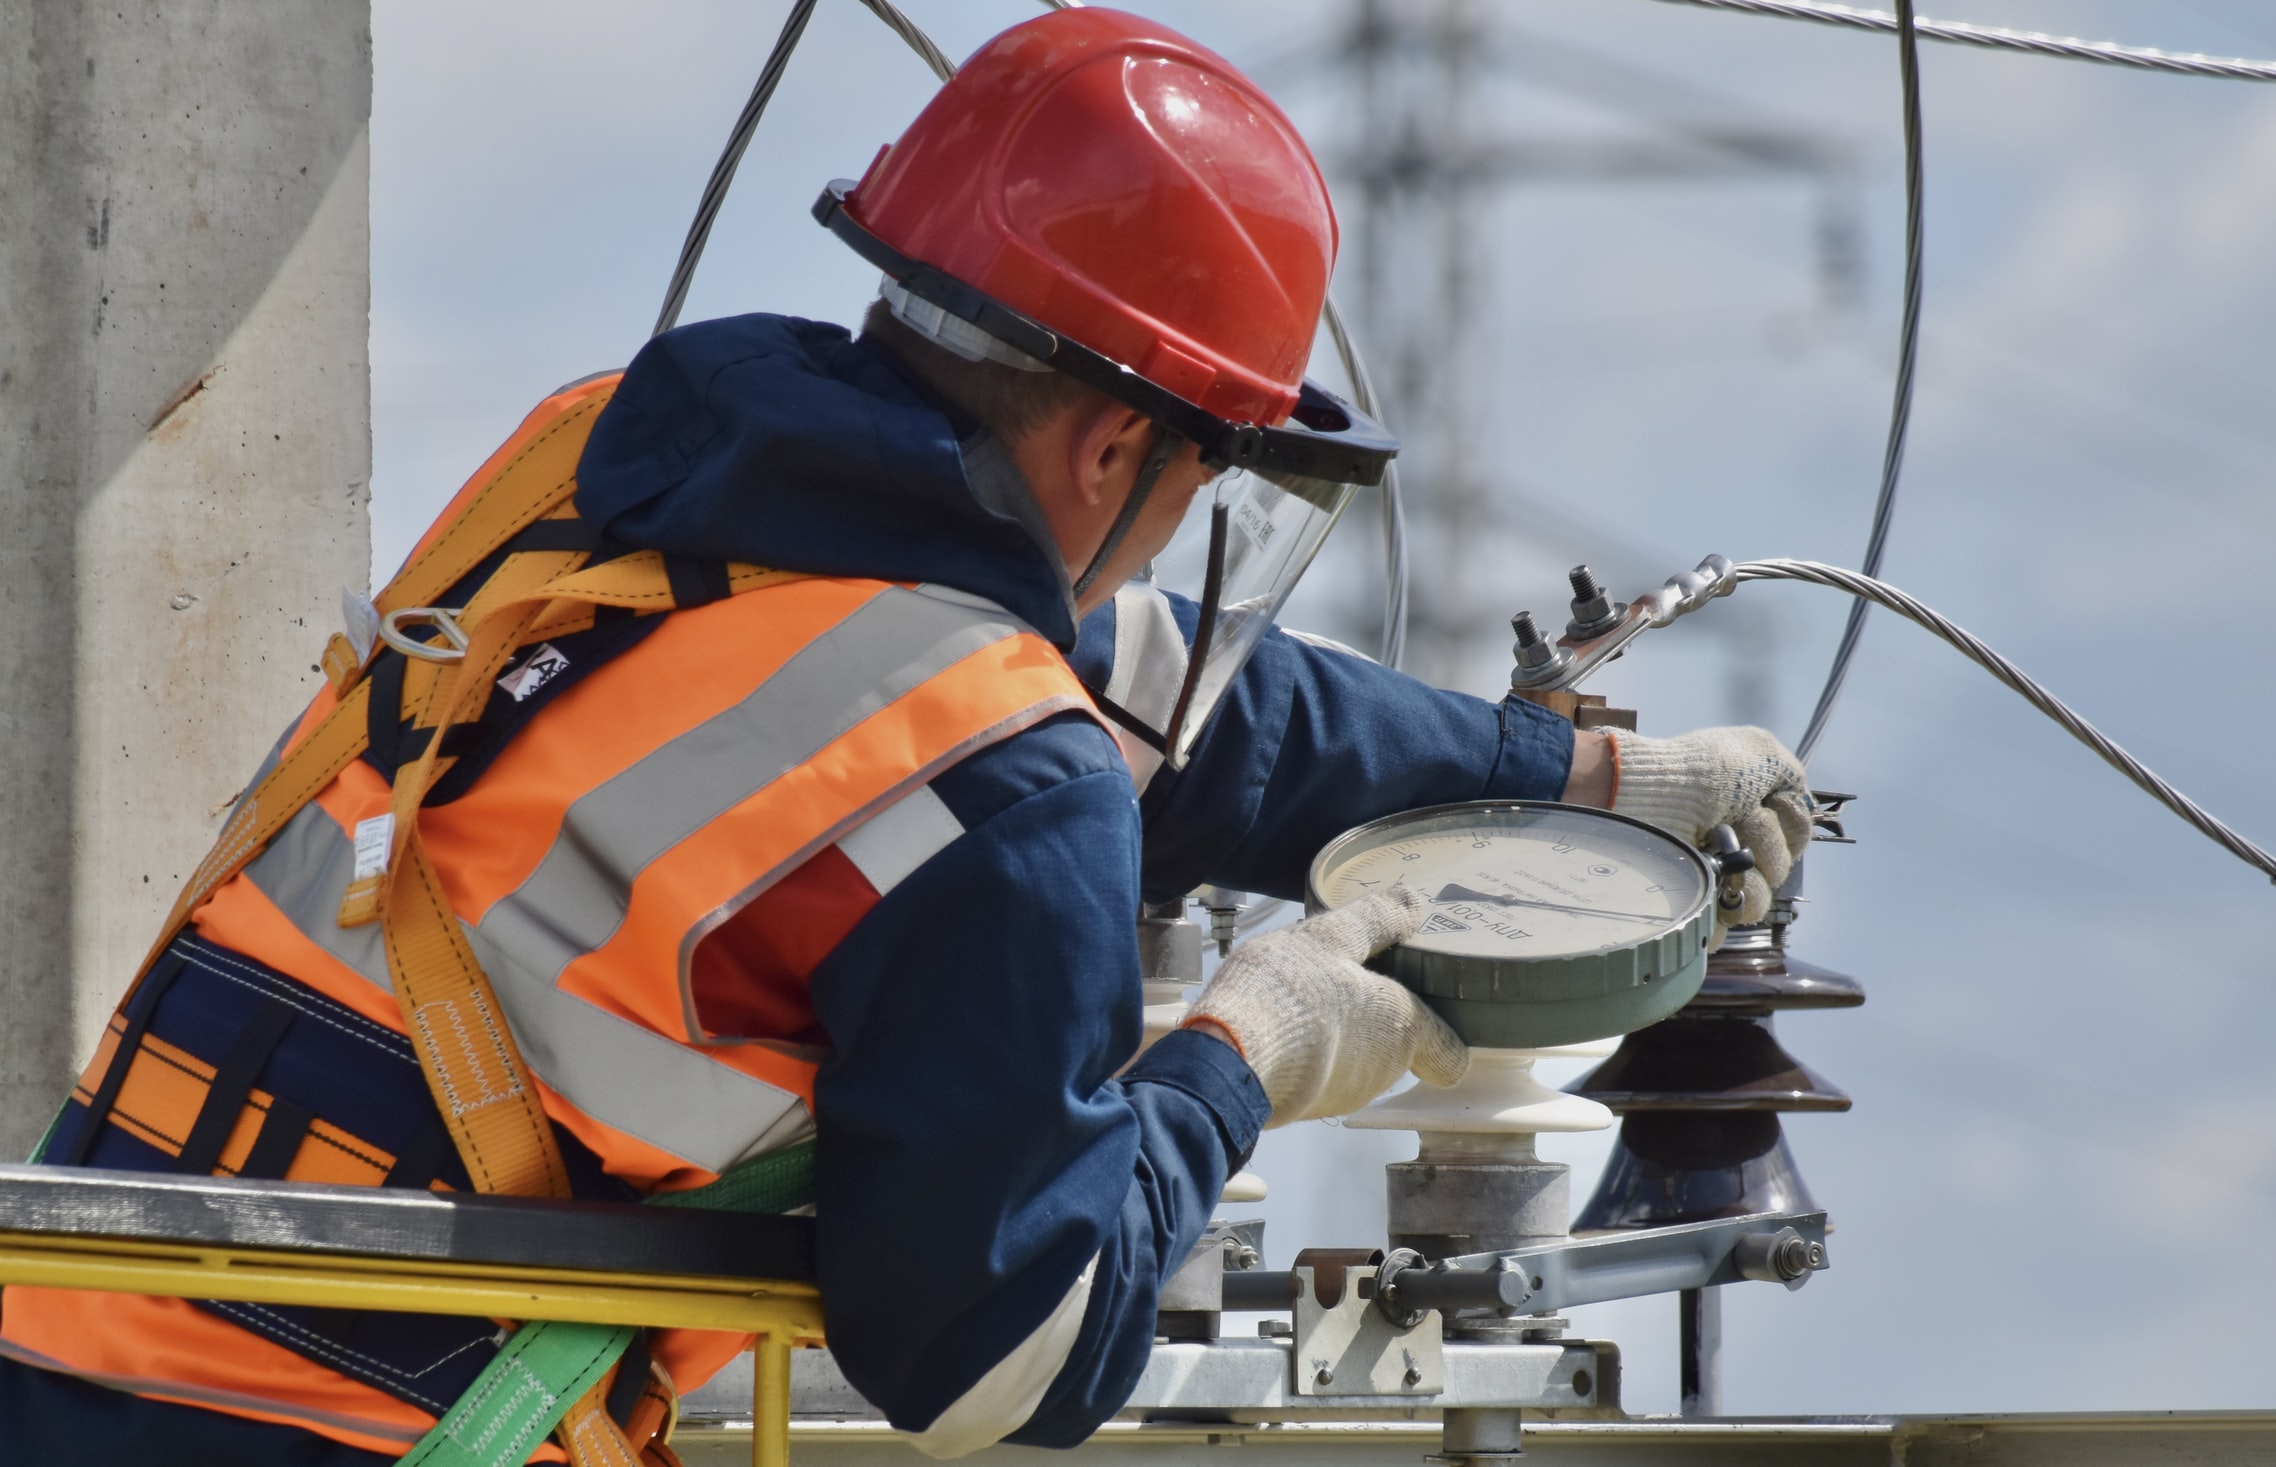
{"type": "Point", "coordinates": [1533, 649]}
{"type": "Point", "coordinates": [1593, 613]}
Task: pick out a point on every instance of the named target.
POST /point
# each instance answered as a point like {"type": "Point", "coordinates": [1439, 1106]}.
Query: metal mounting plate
{"type": "Point", "coordinates": [1347, 1348]}
{"type": "Point", "coordinates": [1245, 1380]}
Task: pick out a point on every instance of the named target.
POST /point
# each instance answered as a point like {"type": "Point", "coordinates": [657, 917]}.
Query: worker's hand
{"type": "Point", "coordinates": [1740, 777]}
{"type": "Point", "coordinates": [1325, 1035]}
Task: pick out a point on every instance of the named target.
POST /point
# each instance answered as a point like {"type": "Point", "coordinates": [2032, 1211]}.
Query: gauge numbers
{"type": "Point", "coordinates": [1520, 881]}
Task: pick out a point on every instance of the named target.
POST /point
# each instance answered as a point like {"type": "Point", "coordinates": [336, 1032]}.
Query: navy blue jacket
{"type": "Point", "coordinates": [972, 1132]}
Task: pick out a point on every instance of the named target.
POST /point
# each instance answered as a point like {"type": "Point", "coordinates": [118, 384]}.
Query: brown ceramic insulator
{"type": "Point", "coordinates": [1708, 1062]}
{"type": "Point", "coordinates": [1670, 1169]}
{"type": "Point", "coordinates": [1759, 980]}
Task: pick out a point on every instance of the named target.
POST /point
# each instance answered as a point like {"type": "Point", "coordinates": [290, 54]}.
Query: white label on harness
{"type": "Point", "coordinates": [361, 619]}
{"type": "Point", "coordinates": [373, 838]}
{"type": "Point", "coordinates": [538, 669]}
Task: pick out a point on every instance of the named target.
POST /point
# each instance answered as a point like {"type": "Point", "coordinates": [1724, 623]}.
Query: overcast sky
{"type": "Point", "coordinates": [2065, 1128]}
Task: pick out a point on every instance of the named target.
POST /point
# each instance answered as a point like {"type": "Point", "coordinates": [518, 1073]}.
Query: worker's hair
{"type": "Point", "coordinates": [1011, 402]}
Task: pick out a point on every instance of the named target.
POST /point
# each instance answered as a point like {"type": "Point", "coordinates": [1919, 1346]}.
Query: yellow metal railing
{"type": "Point", "coordinates": [784, 1316]}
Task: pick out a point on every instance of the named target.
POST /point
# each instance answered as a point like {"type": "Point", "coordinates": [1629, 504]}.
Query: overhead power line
{"type": "Point", "coordinates": [1980, 652]}
{"type": "Point", "coordinates": [1900, 411]}
{"type": "Point", "coordinates": [2000, 38]}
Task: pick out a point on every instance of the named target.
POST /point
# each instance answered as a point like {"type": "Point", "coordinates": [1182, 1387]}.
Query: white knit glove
{"type": "Point", "coordinates": [1740, 777]}
{"type": "Point", "coordinates": [1324, 1035]}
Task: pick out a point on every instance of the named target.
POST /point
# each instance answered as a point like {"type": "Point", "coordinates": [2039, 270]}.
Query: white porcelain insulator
{"type": "Point", "coordinates": [1244, 1187]}
{"type": "Point", "coordinates": [1166, 1008]}
{"type": "Point", "coordinates": [1498, 1096]}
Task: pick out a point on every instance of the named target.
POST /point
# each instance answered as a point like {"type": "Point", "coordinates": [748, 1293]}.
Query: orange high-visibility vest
{"type": "Point", "coordinates": [781, 736]}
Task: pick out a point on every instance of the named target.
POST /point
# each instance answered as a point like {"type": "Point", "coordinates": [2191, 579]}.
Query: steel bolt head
{"type": "Point", "coordinates": [1797, 1256]}
{"type": "Point", "coordinates": [1532, 649]}
{"type": "Point", "coordinates": [1782, 1257]}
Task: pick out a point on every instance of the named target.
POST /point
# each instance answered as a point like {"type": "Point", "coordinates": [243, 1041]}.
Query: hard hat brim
{"type": "Point", "coordinates": [1324, 438]}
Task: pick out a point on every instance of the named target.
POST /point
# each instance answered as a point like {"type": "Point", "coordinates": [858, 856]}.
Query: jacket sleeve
{"type": "Point", "coordinates": [1309, 741]}
{"type": "Point", "coordinates": [998, 1209]}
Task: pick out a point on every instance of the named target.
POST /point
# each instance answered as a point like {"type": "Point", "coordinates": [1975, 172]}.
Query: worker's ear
{"type": "Point", "coordinates": [1105, 451]}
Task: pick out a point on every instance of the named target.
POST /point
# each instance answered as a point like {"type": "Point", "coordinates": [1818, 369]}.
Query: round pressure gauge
{"type": "Point", "coordinates": [1549, 924]}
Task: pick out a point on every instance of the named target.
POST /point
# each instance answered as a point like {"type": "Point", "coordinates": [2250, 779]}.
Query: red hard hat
{"type": "Point", "coordinates": [1116, 183]}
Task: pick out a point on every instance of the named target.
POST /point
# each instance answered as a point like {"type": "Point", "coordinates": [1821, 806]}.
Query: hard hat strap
{"type": "Point", "coordinates": [1165, 447]}
{"type": "Point", "coordinates": [1204, 636]}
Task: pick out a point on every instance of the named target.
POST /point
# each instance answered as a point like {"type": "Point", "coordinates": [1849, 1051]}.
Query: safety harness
{"type": "Point", "coordinates": [552, 577]}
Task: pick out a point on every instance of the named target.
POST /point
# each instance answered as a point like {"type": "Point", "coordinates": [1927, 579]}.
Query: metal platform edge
{"type": "Point", "coordinates": [2099, 1439]}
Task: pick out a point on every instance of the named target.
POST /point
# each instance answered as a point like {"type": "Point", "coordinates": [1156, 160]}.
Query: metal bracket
{"type": "Point", "coordinates": [1345, 1346]}
{"type": "Point", "coordinates": [1775, 1247]}
{"type": "Point", "coordinates": [1683, 593]}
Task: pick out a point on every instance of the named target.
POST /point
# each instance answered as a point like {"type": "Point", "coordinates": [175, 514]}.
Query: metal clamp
{"type": "Point", "coordinates": [1573, 659]}
{"type": "Point", "coordinates": [442, 618]}
{"type": "Point", "coordinates": [1775, 1247]}
{"type": "Point", "coordinates": [1408, 1289]}
{"type": "Point", "coordinates": [1343, 1345]}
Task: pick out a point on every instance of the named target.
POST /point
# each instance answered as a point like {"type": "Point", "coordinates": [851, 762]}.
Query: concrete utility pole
{"type": "Point", "coordinates": [185, 457]}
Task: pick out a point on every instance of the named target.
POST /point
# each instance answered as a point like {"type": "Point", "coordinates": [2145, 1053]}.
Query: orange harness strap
{"type": "Point", "coordinates": [467, 1053]}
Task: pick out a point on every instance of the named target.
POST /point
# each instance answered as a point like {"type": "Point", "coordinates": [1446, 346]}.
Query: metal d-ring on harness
{"type": "Point", "coordinates": [443, 619]}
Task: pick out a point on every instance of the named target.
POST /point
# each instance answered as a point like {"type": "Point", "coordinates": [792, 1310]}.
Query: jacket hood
{"type": "Point", "coordinates": [788, 444]}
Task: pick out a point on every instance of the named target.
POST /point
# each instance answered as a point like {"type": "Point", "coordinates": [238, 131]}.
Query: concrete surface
{"type": "Point", "coordinates": [185, 454]}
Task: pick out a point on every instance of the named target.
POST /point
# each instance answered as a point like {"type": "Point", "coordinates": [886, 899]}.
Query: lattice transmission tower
{"type": "Point", "coordinates": [1424, 154]}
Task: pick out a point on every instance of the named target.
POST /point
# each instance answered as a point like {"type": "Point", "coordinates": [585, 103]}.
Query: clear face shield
{"type": "Point", "coordinates": [1282, 486]}
{"type": "Point", "coordinates": [1239, 564]}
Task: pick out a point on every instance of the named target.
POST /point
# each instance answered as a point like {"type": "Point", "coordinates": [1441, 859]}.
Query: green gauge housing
{"type": "Point", "coordinates": [1549, 924]}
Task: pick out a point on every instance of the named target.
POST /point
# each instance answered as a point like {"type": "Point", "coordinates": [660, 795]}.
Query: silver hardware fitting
{"type": "Point", "coordinates": [442, 618]}
{"type": "Point", "coordinates": [1572, 658]}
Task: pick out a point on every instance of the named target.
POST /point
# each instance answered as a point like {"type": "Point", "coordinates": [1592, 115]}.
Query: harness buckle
{"type": "Point", "coordinates": [443, 618]}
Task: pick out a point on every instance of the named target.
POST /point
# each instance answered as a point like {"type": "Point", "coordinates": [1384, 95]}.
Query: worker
{"type": "Point", "coordinates": [843, 850]}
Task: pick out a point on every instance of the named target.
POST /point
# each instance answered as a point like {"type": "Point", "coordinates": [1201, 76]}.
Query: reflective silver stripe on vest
{"type": "Point", "coordinates": [575, 899]}
{"type": "Point", "coordinates": [660, 1091]}
{"type": "Point", "coordinates": [304, 872]}
{"type": "Point", "coordinates": [894, 842]}
{"type": "Point", "coordinates": [611, 1068]}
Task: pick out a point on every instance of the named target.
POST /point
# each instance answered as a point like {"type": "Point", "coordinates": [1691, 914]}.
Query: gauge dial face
{"type": "Point", "coordinates": [1520, 881]}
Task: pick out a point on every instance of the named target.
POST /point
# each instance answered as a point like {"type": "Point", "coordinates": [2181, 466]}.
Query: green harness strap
{"type": "Point", "coordinates": [531, 1384]}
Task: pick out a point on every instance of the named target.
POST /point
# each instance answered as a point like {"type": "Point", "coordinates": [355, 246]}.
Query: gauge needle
{"type": "Point", "coordinates": [1451, 893]}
